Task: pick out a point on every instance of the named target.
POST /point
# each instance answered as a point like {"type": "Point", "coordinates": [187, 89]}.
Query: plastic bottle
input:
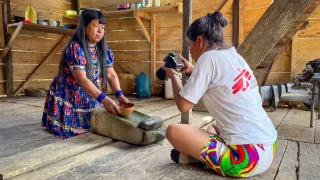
{"type": "Point", "coordinates": [143, 85]}
{"type": "Point", "coordinates": [30, 14]}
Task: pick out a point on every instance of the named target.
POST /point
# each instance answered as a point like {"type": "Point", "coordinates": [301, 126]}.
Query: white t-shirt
{"type": "Point", "coordinates": [231, 94]}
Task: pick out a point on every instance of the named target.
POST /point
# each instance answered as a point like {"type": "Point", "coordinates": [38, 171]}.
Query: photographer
{"type": "Point", "coordinates": [243, 142]}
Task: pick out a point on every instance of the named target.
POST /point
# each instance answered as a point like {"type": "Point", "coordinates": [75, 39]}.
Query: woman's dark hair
{"type": "Point", "coordinates": [86, 17]}
{"type": "Point", "coordinates": [209, 27]}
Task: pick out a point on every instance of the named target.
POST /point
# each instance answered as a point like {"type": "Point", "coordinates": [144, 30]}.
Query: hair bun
{"type": "Point", "coordinates": [217, 17]}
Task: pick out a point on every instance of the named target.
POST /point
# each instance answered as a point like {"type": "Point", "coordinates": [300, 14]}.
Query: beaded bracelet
{"type": "Point", "coordinates": [118, 93]}
{"type": "Point", "coordinates": [101, 97]}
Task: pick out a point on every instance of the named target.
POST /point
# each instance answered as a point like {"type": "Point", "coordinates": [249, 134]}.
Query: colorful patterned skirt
{"type": "Point", "coordinates": [67, 110]}
{"type": "Point", "coordinates": [237, 160]}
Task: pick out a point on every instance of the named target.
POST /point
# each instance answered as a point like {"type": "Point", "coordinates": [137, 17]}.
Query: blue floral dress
{"type": "Point", "coordinates": [67, 110]}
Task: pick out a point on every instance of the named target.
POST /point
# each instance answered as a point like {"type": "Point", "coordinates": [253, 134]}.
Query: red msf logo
{"type": "Point", "coordinates": [241, 81]}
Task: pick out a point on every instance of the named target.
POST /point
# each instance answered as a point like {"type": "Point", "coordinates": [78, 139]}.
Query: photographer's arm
{"type": "Point", "coordinates": [182, 104]}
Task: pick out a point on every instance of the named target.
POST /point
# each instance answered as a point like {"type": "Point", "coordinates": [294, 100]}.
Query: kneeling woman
{"type": "Point", "coordinates": [243, 141]}
{"type": "Point", "coordinates": [74, 93]}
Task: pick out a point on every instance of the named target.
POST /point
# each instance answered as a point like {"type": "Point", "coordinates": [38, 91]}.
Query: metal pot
{"type": "Point", "coordinates": [54, 23]}
{"type": "Point", "coordinates": [44, 22]}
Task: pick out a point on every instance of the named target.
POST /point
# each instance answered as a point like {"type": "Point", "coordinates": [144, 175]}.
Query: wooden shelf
{"type": "Point", "coordinates": [40, 28]}
{"type": "Point", "coordinates": [133, 12]}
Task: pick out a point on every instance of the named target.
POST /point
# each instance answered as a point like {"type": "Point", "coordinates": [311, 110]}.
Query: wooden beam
{"type": "Point", "coordinates": [7, 59]}
{"type": "Point", "coordinates": [187, 20]}
{"type": "Point", "coordinates": [143, 28]}
{"type": "Point", "coordinates": [11, 41]}
{"type": "Point", "coordinates": [238, 27]}
{"type": "Point", "coordinates": [226, 6]}
{"type": "Point", "coordinates": [143, 15]}
{"type": "Point", "coordinates": [279, 23]}
{"type": "Point", "coordinates": [153, 54]}
{"type": "Point", "coordinates": [294, 49]}
{"type": "Point", "coordinates": [43, 62]}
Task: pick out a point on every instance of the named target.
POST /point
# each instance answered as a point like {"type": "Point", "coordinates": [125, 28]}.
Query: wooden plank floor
{"type": "Point", "coordinates": [27, 151]}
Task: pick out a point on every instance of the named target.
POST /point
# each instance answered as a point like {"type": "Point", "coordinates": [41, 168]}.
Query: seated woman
{"type": "Point", "coordinates": [74, 93]}
{"type": "Point", "coordinates": [243, 141]}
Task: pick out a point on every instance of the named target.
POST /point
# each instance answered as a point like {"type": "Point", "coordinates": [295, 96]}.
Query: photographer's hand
{"type": "Point", "coordinates": [188, 66]}
{"type": "Point", "coordinates": [169, 72]}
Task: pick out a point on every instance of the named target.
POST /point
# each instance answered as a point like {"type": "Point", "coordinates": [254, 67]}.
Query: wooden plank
{"type": "Point", "coordinates": [289, 163]}
{"type": "Point", "coordinates": [257, 4]}
{"type": "Point", "coordinates": [254, 15]}
{"type": "Point", "coordinates": [208, 5]}
{"type": "Point", "coordinates": [278, 116]}
{"type": "Point", "coordinates": [130, 45]}
{"type": "Point", "coordinates": [25, 58]}
{"type": "Point", "coordinates": [299, 121]}
{"type": "Point", "coordinates": [33, 84]}
{"type": "Point", "coordinates": [226, 6]}
{"type": "Point", "coordinates": [153, 54]}
{"type": "Point", "coordinates": [29, 146]}
{"type": "Point", "coordinates": [144, 30]}
{"type": "Point", "coordinates": [100, 162]}
{"type": "Point", "coordinates": [30, 160]}
{"type": "Point", "coordinates": [127, 23]}
{"type": "Point", "coordinates": [43, 28]}
{"type": "Point", "coordinates": [42, 63]}
{"type": "Point", "coordinates": [312, 30]}
{"type": "Point", "coordinates": [16, 121]}
{"type": "Point", "coordinates": [187, 20]}
{"type": "Point", "coordinates": [21, 72]}
{"type": "Point", "coordinates": [309, 161]}
{"type": "Point", "coordinates": [273, 28]}
{"type": "Point", "coordinates": [121, 35]}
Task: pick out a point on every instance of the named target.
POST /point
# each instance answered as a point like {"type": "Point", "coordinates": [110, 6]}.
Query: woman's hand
{"type": "Point", "coordinates": [188, 66]}
{"type": "Point", "coordinates": [123, 100]}
{"type": "Point", "coordinates": [110, 105]}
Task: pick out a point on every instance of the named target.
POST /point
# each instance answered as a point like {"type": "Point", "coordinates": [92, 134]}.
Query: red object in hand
{"type": "Point", "coordinates": [26, 21]}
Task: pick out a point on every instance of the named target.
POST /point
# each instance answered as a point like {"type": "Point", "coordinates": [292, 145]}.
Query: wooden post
{"type": "Point", "coordinates": [143, 28]}
{"type": "Point", "coordinates": [8, 58]}
{"type": "Point", "coordinates": [294, 49]}
{"type": "Point", "coordinates": [153, 54]}
{"type": "Point", "coordinates": [74, 5]}
{"type": "Point", "coordinates": [237, 16]}
{"type": "Point", "coordinates": [226, 6]}
{"type": "Point", "coordinates": [2, 39]}
{"type": "Point", "coordinates": [187, 20]}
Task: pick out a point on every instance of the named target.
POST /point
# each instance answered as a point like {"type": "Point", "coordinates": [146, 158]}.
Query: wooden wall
{"type": "Point", "coordinates": [130, 46]}
{"type": "Point", "coordinates": [31, 47]}
{"type": "Point", "coordinates": [304, 47]}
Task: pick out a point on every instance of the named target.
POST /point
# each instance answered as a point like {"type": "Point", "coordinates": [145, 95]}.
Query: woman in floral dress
{"type": "Point", "coordinates": [74, 93]}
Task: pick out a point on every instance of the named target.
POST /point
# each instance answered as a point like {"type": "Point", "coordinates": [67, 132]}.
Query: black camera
{"type": "Point", "coordinates": [172, 60]}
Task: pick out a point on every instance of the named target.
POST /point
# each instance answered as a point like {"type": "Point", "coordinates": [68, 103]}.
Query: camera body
{"type": "Point", "coordinates": [173, 61]}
